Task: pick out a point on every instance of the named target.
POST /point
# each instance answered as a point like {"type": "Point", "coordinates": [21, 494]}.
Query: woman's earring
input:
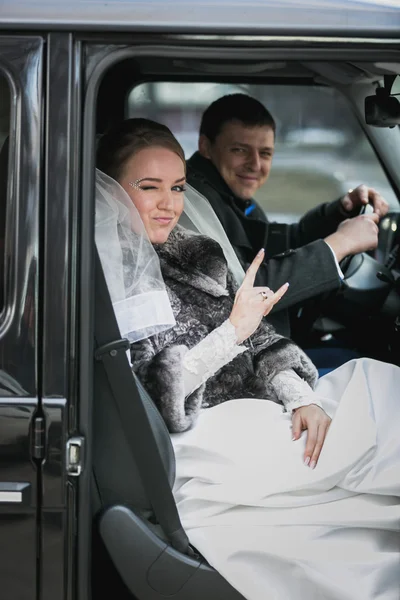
{"type": "Point", "coordinates": [135, 184]}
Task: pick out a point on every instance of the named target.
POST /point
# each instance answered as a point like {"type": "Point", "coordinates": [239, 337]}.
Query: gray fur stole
{"type": "Point", "coordinates": [201, 290]}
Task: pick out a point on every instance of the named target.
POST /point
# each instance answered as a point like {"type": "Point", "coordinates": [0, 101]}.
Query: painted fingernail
{"type": "Point", "coordinates": [307, 460]}
{"type": "Point", "coordinates": [293, 439]}
{"type": "Point", "coordinates": [312, 466]}
{"type": "Point", "coordinates": [261, 252]}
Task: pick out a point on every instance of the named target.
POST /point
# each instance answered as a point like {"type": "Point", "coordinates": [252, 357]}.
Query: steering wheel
{"type": "Point", "coordinates": [367, 283]}
{"type": "Point", "coordinates": [369, 288]}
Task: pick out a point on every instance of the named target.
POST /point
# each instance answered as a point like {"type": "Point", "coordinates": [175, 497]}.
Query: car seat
{"type": "Point", "coordinates": [133, 473]}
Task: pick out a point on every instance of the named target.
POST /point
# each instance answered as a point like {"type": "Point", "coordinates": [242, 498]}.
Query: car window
{"type": "Point", "coordinates": [5, 107]}
{"type": "Point", "coordinates": [321, 149]}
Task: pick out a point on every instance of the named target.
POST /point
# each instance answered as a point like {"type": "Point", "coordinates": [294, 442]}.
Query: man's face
{"type": "Point", "coordinates": [242, 155]}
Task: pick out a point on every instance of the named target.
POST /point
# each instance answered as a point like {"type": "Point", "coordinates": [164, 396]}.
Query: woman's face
{"type": "Point", "coordinates": [154, 178]}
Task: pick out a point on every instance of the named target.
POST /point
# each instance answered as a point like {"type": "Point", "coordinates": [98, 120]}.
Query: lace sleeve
{"type": "Point", "coordinates": [208, 356]}
{"type": "Point", "coordinates": [293, 391]}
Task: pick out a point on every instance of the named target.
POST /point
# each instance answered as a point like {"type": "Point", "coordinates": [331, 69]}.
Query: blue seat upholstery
{"type": "Point", "coordinates": [328, 358]}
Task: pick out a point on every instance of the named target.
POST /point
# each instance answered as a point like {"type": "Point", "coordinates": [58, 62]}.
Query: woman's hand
{"type": "Point", "coordinates": [253, 303]}
{"type": "Point", "coordinates": [313, 418]}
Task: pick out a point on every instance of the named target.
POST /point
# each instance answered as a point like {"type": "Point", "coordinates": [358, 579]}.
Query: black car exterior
{"type": "Point", "coordinates": [52, 58]}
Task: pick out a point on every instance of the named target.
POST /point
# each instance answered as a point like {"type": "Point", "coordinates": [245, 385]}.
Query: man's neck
{"type": "Point", "coordinates": [206, 167]}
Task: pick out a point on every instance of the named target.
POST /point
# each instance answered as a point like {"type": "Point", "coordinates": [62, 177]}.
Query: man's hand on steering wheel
{"type": "Point", "coordinates": [359, 234]}
{"type": "Point", "coordinates": [363, 195]}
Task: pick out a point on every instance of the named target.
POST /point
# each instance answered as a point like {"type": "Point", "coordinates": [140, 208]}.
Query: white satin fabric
{"type": "Point", "coordinates": [274, 528]}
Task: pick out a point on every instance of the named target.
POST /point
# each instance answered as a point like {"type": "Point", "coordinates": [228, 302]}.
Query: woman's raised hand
{"type": "Point", "coordinates": [253, 303]}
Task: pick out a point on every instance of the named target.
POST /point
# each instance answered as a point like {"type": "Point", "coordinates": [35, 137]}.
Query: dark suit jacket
{"type": "Point", "coordinates": [295, 253]}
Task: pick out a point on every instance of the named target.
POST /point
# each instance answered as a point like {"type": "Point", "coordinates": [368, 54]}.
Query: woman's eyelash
{"type": "Point", "coordinates": [180, 188]}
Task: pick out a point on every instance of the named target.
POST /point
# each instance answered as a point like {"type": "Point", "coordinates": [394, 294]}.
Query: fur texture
{"type": "Point", "coordinates": [202, 291]}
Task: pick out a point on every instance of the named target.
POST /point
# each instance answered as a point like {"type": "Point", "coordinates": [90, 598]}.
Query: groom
{"type": "Point", "coordinates": [236, 146]}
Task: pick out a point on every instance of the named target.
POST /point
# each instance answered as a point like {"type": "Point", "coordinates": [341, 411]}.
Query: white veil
{"type": "Point", "coordinates": [130, 264]}
{"type": "Point", "coordinates": [198, 215]}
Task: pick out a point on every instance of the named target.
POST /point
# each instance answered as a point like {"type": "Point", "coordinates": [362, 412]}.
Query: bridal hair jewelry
{"type": "Point", "coordinates": [135, 184]}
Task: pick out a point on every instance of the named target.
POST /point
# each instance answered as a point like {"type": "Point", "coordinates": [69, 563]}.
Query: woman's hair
{"type": "Point", "coordinates": [119, 144]}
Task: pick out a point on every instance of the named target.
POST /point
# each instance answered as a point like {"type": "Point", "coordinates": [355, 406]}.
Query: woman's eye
{"type": "Point", "coordinates": [148, 187]}
{"type": "Point", "coordinates": [179, 188]}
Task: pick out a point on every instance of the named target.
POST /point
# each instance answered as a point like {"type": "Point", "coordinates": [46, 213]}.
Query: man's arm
{"type": "Point", "coordinates": [323, 220]}
{"type": "Point", "coordinates": [318, 223]}
{"type": "Point", "coordinates": [313, 268]}
{"type": "Point", "coordinates": [310, 270]}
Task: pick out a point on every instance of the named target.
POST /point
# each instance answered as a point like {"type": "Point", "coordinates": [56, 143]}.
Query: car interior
{"type": "Point", "coordinates": [324, 147]}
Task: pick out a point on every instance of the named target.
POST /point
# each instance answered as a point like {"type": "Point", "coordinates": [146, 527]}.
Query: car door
{"type": "Point", "coordinates": [65, 481]}
{"type": "Point", "coordinates": [21, 423]}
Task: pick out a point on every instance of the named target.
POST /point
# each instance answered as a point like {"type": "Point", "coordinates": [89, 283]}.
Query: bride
{"type": "Point", "coordinates": [289, 487]}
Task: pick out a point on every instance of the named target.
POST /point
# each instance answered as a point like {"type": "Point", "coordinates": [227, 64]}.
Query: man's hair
{"type": "Point", "coordinates": [129, 137]}
{"type": "Point", "coordinates": [234, 107]}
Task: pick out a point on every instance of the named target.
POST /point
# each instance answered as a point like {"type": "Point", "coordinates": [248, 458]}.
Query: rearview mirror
{"type": "Point", "coordinates": [383, 109]}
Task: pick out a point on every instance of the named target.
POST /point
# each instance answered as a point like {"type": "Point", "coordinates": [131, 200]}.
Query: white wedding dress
{"type": "Point", "coordinates": [278, 530]}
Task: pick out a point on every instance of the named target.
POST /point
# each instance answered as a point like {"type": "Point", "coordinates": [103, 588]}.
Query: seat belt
{"type": "Point", "coordinates": [111, 351]}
